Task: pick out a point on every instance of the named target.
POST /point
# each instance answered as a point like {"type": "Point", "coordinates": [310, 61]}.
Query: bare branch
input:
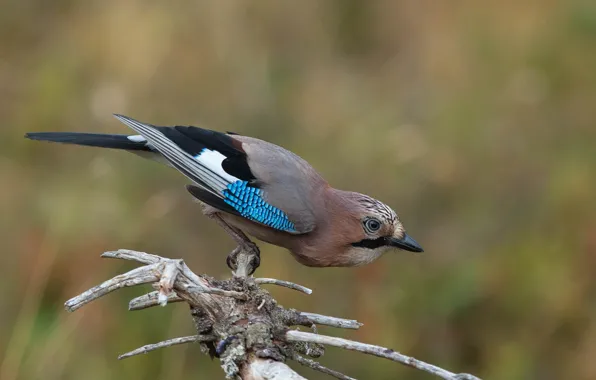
{"type": "Point", "coordinates": [128, 254]}
{"type": "Point", "coordinates": [219, 292]}
{"type": "Point", "coordinates": [286, 284]}
{"type": "Point", "coordinates": [191, 275]}
{"type": "Point", "coordinates": [142, 275]}
{"type": "Point", "coordinates": [332, 321]}
{"type": "Point", "coordinates": [149, 300]}
{"type": "Point", "coordinates": [253, 354]}
{"type": "Point", "coordinates": [166, 283]}
{"type": "Point", "coordinates": [167, 343]}
{"type": "Point", "coordinates": [387, 353]}
{"type": "Point", "coordinates": [261, 304]}
{"type": "Point", "coordinates": [318, 367]}
{"type": "Point", "coordinates": [200, 285]}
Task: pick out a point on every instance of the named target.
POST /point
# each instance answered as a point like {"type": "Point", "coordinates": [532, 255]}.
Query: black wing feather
{"type": "Point", "coordinates": [193, 140]}
{"type": "Point", "coordinates": [214, 140]}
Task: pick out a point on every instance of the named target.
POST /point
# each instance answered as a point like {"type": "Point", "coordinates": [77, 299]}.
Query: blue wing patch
{"type": "Point", "coordinates": [249, 202]}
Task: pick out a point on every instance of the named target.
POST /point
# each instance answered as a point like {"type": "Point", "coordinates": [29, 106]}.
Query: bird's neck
{"type": "Point", "coordinates": [340, 202]}
{"type": "Point", "coordinates": [338, 212]}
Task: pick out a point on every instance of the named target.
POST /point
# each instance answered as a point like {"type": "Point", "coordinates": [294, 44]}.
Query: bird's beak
{"type": "Point", "coordinates": [406, 243]}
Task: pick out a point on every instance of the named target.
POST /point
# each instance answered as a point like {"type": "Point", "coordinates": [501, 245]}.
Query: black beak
{"type": "Point", "coordinates": [406, 243]}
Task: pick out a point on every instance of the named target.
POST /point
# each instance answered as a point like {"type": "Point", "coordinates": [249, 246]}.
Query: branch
{"type": "Point", "coordinates": [318, 367]}
{"type": "Point", "coordinates": [239, 322]}
{"type": "Point", "coordinates": [128, 254]}
{"type": "Point", "coordinates": [219, 292]}
{"type": "Point", "coordinates": [387, 353]}
{"type": "Point", "coordinates": [212, 308]}
{"type": "Point", "coordinates": [149, 300]}
{"type": "Point", "coordinates": [332, 321]}
{"type": "Point", "coordinates": [143, 275]}
{"type": "Point", "coordinates": [286, 284]}
{"type": "Point", "coordinates": [167, 343]}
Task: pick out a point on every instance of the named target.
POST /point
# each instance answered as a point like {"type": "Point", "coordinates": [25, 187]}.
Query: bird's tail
{"type": "Point", "coordinates": [131, 143]}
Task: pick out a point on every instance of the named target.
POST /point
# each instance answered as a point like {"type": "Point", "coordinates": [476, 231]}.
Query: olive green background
{"type": "Point", "coordinates": [475, 120]}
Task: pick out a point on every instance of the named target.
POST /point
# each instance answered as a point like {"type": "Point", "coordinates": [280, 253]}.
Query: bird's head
{"type": "Point", "coordinates": [379, 230]}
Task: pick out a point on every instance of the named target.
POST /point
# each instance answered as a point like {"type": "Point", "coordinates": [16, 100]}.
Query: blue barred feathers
{"type": "Point", "coordinates": [249, 202]}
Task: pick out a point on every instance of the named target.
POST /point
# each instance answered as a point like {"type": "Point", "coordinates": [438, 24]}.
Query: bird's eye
{"type": "Point", "coordinates": [372, 225]}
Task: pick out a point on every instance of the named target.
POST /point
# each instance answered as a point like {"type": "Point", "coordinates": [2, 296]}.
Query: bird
{"type": "Point", "coordinates": [252, 187]}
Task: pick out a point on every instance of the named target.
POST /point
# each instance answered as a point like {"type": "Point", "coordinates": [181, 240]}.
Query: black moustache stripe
{"type": "Point", "coordinates": [371, 243]}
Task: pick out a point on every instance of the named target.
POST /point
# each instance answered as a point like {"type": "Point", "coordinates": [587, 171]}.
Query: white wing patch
{"type": "Point", "coordinates": [136, 138]}
{"type": "Point", "coordinates": [212, 159]}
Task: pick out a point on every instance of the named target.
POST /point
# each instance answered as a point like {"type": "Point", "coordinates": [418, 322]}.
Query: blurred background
{"type": "Point", "coordinates": [475, 120]}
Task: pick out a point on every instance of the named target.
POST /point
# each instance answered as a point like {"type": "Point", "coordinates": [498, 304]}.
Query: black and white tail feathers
{"type": "Point", "coordinates": [213, 160]}
{"type": "Point", "coordinates": [132, 143]}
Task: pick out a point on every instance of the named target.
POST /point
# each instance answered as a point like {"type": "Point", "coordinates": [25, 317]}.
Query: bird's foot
{"type": "Point", "coordinates": [244, 259]}
{"type": "Point", "coordinates": [231, 259]}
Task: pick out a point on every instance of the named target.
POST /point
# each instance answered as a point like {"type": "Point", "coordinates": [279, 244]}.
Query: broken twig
{"type": "Point", "coordinates": [167, 343]}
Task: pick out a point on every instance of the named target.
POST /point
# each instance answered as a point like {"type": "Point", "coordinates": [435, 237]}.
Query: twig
{"type": "Point", "coordinates": [142, 275]}
{"type": "Point", "coordinates": [152, 299]}
{"type": "Point", "coordinates": [286, 284]}
{"type": "Point", "coordinates": [318, 367]}
{"type": "Point", "coordinates": [167, 280]}
{"type": "Point", "coordinates": [332, 321]}
{"type": "Point", "coordinates": [128, 254]}
{"type": "Point", "coordinates": [149, 300]}
{"type": "Point", "coordinates": [219, 292]}
{"type": "Point", "coordinates": [387, 353]}
{"type": "Point", "coordinates": [167, 343]}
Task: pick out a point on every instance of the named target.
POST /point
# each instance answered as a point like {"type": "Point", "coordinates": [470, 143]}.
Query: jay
{"type": "Point", "coordinates": [250, 186]}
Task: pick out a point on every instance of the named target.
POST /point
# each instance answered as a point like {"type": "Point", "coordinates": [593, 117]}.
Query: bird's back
{"type": "Point", "coordinates": [288, 180]}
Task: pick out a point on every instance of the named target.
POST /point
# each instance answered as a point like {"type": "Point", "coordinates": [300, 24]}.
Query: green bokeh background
{"type": "Point", "coordinates": [475, 120]}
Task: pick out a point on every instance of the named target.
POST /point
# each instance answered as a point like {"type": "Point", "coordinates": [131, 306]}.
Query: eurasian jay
{"type": "Point", "coordinates": [251, 186]}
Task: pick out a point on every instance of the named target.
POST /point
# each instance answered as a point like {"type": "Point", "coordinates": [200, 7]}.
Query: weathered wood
{"type": "Point", "coordinates": [238, 321]}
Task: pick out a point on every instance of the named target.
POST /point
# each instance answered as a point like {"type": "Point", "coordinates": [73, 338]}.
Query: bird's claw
{"type": "Point", "coordinates": [231, 259]}
{"type": "Point", "coordinates": [252, 253]}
